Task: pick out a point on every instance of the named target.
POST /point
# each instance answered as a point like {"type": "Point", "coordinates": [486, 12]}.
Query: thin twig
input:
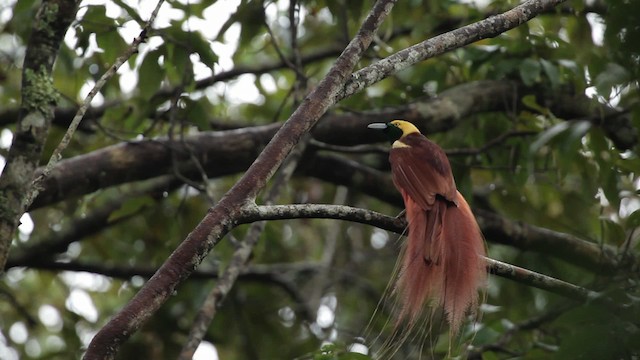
{"type": "Point", "coordinates": [483, 29]}
{"type": "Point", "coordinates": [353, 51]}
{"type": "Point", "coordinates": [322, 281]}
{"type": "Point", "coordinates": [224, 215]}
{"type": "Point", "coordinates": [244, 249]}
{"type": "Point", "coordinates": [281, 275]}
{"type": "Point", "coordinates": [528, 277]}
{"type": "Point", "coordinates": [551, 284]}
{"type": "Point", "coordinates": [285, 60]}
{"type": "Point", "coordinates": [300, 85]}
{"type": "Point", "coordinates": [238, 261]}
{"type": "Point", "coordinates": [507, 335]}
{"type": "Point", "coordinates": [19, 307]}
{"type": "Point", "coordinates": [491, 143]}
{"type": "Point", "coordinates": [38, 100]}
{"type": "Point", "coordinates": [175, 164]}
{"type": "Point", "coordinates": [96, 220]}
{"type": "Point", "coordinates": [587, 254]}
{"type": "Point", "coordinates": [66, 139]}
{"type": "Point", "coordinates": [357, 149]}
{"type": "Point", "coordinates": [540, 281]}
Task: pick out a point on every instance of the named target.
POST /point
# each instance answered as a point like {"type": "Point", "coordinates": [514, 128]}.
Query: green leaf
{"type": "Point", "coordinates": [197, 112]}
{"type": "Point", "coordinates": [24, 6]}
{"type": "Point", "coordinates": [131, 207]}
{"type": "Point", "coordinates": [327, 352]}
{"type": "Point", "coordinates": [203, 48]}
{"type": "Point", "coordinates": [251, 15]}
{"type": "Point", "coordinates": [112, 44]}
{"type": "Point", "coordinates": [116, 114]}
{"type": "Point", "coordinates": [614, 233]}
{"type": "Point", "coordinates": [607, 174]}
{"type": "Point", "coordinates": [192, 42]}
{"type": "Point", "coordinates": [613, 75]}
{"type": "Point", "coordinates": [531, 102]}
{"type": "Point", "coordinates": [598, 144]}
{"type": "Point", "coordinates": [530, 71]}
{"type": "Point", "coordinates": [95, 19]}
{"type": "Point", "coordinates": [252, 18]}
{"type": "Point", "coordinates": [486, 335]}
{"type": "Point", "coordinates": [552, 73]}
{"type": "Point", "coordinates": [133, 13]}
{"type": "Point", "coordinates": [150, 74]}
{"type": "Point", "coordinates": [597, 336]}
{"type": "Point", "coordinates": [489, 355]}
{"type": "Point", "coordinates": [353, 356]}
{"type": "Point", "coordinates": [177, 64]}
{"type": "Point", "coordinates": [355, 8]}
{"type": "Point", "coordinates": [576, 132]}
{"type": "Point", "coordinates": [609, 183]}
{"type": "Point", "coordinates": [633, 220]}
{"type": "Point", "coordinates": [548, 135]}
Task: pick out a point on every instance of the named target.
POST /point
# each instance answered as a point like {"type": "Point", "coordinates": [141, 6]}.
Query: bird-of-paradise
{"type": "Point", "coordinates": [443, 259]}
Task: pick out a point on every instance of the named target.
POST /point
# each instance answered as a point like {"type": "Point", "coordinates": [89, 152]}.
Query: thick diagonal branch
{"type": "Point", "coordinates": [222, 217]}
{"type": "Point", "coordinates": [239, 259]}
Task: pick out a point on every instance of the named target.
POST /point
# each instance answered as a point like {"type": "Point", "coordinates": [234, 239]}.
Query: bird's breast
{"type": "Point", "coordinates": [399, 144]}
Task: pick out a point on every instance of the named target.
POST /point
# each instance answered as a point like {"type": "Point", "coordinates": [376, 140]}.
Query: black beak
{"type": "Point", "coordinates": [378, 126]}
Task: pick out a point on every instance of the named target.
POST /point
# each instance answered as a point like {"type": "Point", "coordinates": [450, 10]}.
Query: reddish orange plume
{"type": "Point", "coordinates": [442, 261]}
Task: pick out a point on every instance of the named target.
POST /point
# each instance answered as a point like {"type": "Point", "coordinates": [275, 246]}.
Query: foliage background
{"type": "Point", "coordinates": [540, 124]}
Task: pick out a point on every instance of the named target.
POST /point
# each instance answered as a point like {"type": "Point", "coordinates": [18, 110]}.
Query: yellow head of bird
{"type": "Point", "coordinates": [406, 127]}
{"type": "Point", "coordinates": [395, 129]}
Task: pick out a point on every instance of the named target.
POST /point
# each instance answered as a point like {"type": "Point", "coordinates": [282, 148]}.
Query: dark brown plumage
{"type": "Point", "coordinates": [442, 260]}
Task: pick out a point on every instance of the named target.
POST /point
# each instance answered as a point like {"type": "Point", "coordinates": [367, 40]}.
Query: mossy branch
{"type": "Point", "coordinates": [39, 98]}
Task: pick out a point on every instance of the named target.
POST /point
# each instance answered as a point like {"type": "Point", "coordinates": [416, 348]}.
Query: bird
{"type": "Point", "coordinates": [442, 264]}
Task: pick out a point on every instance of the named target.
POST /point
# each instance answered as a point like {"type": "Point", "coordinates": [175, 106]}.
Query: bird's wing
{"type": "Point", "coordinates": [422, 171]}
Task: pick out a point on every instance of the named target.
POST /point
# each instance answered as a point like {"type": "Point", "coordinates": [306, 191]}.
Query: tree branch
{"type": "Point", "coordinates": [594, 257]}
{"type": "Point", "coordinates": [39, 98]}
{"type": "Point", "coordinates": [66, 139]}
{"type": "Point", "coordinates": [336, 170]}
{"type": "Point", "coordinates": [281, 275]}
{"type": "Point", "coordinates": [92, 222]}
{"type": "Point", "coordinates": [239, 259]}
{"type": "Point", "coordinates": [495, 228]}
{"type": "Point", "coordinates": [254, 213]}
{"type": "Point", "coordinates": [556, 286]}
{"type": "Point", "coordinates": [232, 151]}
{"type": "Point", "coordinates": [540, 281]}
{"type": "Point", "coordinates": [126, 272]}
{"type": "Point", "coordinates": [586, 254]}
{"type": "Point", "coordinates": [125, 162]}
{"type": "Point", "coordinates": [530, 324]}
{"type": "Point", "coordinates": [487, 28]}
{"type": "Point", "coordinates": [490, 144]}
{"type": "Point", "coordinates": [317, 211]}
{"type": "Point", "coordinates": [221, 217]}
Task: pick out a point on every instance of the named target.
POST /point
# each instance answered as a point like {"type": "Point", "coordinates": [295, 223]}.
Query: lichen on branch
{"type": "Point", "coordinates": [36, 113]}
{"type": "Point", "coordinates": [38, 94]}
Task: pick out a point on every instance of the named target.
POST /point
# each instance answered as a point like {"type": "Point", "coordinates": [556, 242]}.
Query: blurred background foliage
{"type": "Point", "coordinates": [313, 285]}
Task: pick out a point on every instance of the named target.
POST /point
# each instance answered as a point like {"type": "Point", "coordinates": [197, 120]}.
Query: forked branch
{"type": "Point", "coordinates": [222, 217]}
